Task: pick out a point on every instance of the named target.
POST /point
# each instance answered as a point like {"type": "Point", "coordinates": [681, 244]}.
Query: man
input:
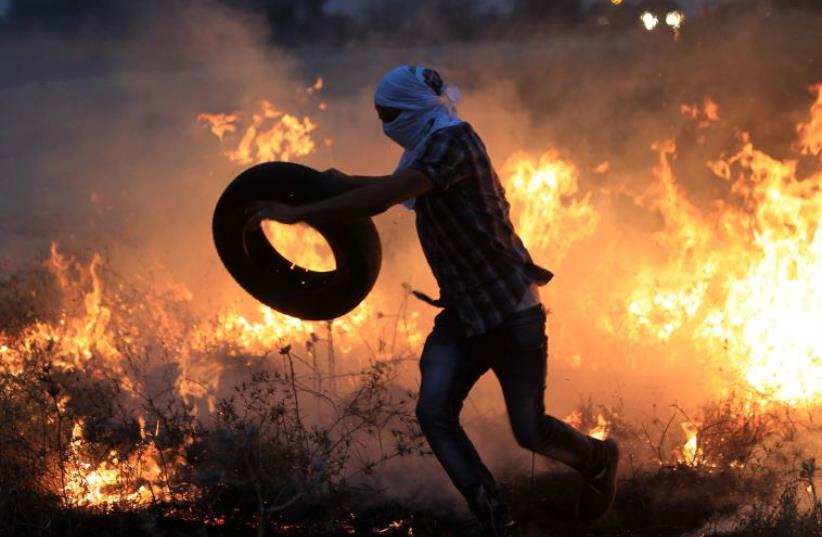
{"type": "Point", "coordinates": [492, 316]}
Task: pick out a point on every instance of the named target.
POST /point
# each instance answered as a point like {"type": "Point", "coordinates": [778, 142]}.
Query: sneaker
{"type": "Point", "coordinates": [492, 514]}
{"type": "Point", "coordinates": [599, 489]}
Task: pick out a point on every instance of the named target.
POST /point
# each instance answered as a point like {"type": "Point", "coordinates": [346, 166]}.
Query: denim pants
{"type": "Point", "coordinates": [516, 351]}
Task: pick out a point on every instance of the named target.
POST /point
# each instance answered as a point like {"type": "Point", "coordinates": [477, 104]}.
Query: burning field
{"type": "Point", "coordinates": [670, 176]}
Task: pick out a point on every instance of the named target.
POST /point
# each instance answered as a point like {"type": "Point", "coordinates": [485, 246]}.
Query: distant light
{"type": "Point", "coordinates": [616, 2]}
{"type": "Point", "coordinates": [674, 19]}
{"type": "Point", "coordinates": [649, 20]}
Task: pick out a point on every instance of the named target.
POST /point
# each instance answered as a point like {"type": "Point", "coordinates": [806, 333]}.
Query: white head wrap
{"type": "Point", "coordinates": [427, 106]}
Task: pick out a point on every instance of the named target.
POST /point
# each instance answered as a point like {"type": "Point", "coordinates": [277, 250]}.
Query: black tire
{"type": "Point", "coordinates": [267, 275]}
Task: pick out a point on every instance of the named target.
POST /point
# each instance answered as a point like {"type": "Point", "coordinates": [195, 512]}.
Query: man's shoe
{"type": "Point", "coordinates": [494, 516]}
{"type": "Point", "coordinates": [599, 488]}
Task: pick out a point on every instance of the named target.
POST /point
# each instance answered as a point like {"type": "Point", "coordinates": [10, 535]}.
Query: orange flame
{"type": "Point", "coordinates": [810, 133]}
{"type": "Point", "coordinates": [691, 453]}
{"type": "Point", "coordinates": [272, 135]}
{"type": "Point", "coordinates": [745, 280]}
{"type": "Point", "coordinates": [599, 431]}
{"type": "Point", "coordinates": [544, 206]}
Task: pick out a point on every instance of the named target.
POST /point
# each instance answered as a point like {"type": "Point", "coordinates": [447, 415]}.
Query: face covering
{"type": "Point", "coordinates": [427, 106]}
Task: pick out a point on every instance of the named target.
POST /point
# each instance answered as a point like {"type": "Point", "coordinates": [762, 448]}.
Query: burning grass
{"type": "Point", "coordinates": [100, 418]}
{"type": "Point", "coordinates": [104, 430]}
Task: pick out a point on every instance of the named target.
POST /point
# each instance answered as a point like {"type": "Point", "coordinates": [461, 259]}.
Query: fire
{"type": "Point", "coordinates": [396, 524]}
{"type": "Point", "coordinates": [663, 302]}
{"type": "Point", "coordinates": [745, 278]}
{"type": "Point", "coordinates": [769, 316]}
{"type": "Point", "coordinates": [810, 133]}
{"type": "Point", "coordinates": [602, 428]}
{"type": "Point", "coordinates": [600, 431]}
{"type": "Point", "coordinates": [95, 336]}
{"type": "Point", "coordinates": [691, 453]}
{"type": "Point", "coordinates": [301, 244]}
{"type": "Point", "coordinates": [138, 480]}
{"type": "Point", "coordinates": [703, 116]}
{"type": "Point", "coordinates": [271, 134]}
{"type": "Point", "coordinates": [544, 205]}
{"type": "Point", "coordinates": [78, 336]}
{"type": "Point", "coordinates": [220, 124]}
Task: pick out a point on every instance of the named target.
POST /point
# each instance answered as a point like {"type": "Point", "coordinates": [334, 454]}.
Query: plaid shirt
{"type": "Point", "coordinates": [482, 267]}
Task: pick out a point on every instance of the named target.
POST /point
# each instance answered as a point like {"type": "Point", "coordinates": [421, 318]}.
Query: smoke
{"type": "Point", "coordinates": [100, 148]}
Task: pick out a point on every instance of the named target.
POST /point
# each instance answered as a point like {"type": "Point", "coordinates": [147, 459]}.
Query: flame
{"type": "Point", "coordinates": [271, 135]}
{"type": "Point", "coordinates": [600, 431]}
{"type": "Point", "coordinates": [769, 316]}
{"type": "Point", "coordinates": [662, 302]}
{"type": "Point", "coordinates": [220, 124]}
{"type": "Point", "coordinates": [745, 278]}
{"type": "Point", "coordinates": [301, 244]}
{"type": "Point", "coordinates": [691, 453]}
{"type": "Point", "coordinates": [602, 167]}
{"type": "Point", "coordinates": [603, 427]}
{"type": "Point", "coordinates": [810, 133]}
{"type": "Point", "coordinates": [76, 336]}
{"type": "Point", "coordinates": [704, 116]}
{"type": "Point", "coordinates": [544, 206]}
{"type": "Point", "coordinates": [396, 524]}
{"type": "Point", "coordinates": [92, 336]}
{"type": "Point", "coordinates": [138, 480]}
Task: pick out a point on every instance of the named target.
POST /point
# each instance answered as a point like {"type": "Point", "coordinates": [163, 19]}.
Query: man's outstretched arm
{"type": "Point", "coordinates": [374, 195]}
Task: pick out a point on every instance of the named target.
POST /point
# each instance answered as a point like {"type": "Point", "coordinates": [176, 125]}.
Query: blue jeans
{"type": "Point", "coordinates": [516, 351]}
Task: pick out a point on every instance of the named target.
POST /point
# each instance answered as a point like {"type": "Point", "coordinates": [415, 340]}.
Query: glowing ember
{"type": "Point", "coordinates": [703, 116]}
{"type": "Point", "coordinates": [396, 524]}
{"type": "Point", "coordinates": [317, 86]}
